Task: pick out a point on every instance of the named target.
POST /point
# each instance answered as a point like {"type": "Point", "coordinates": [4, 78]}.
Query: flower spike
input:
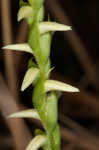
{"type": "Point", "coordinates": [52, 26]}
{"type": "Point", "coordinates": [45, 104]}
{"type": "Point", "coordinates": [51, 85]}
{"type": "Point", "coordinates": [30, 113]}
{"type": "Point", "coordinates": [19, 47]}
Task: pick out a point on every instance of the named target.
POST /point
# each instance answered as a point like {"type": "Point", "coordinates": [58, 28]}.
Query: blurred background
{"type": "Point", "coordinates": [74, 55]}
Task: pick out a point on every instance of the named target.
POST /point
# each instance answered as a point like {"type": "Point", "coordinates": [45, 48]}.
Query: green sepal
{"type": "Point", "coordinates": [47, 147]}
{"type": "Point", "coordinates": [32, 64]}
{"type": "Point", "coordinates": [45, 44]}
{"type": "Point", "coordinates": [39, 131]}
{"type": "Point", "coordinates": [51, 116]}
{"type": "Point", "coordinates": [39, 95]}
{"type": "Point", "coordinates": [40, 15]}
{"type": "Point", "coordinates": [29, 20]}
{"type": "Point", "coordinates": [56, 138]}
{"type": "Point", "coordinates": [36, 4]}
{"type": "Point", "coordinates": [40, 45]}
{"type": "Point", "coordinates": [33, 39]}
{"type": "Point", "coordinates": [22, 3]}
{"type": "Point", "coordinates": [39, 100]}
{"type": "Point", "coordinates": [47, 69]}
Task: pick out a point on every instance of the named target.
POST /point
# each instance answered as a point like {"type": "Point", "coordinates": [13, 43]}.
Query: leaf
{"type": "Point", "coordinates": [19, 47]}
{"type": "Point", "coordinates": [52, 26]}
{"type": "Point", "coordinates": [30, 76]}
{"type": "Point", "coordinates": [37, 142]}
{"type": "Point", "coordinates": [30, 113]}
{"type": "Point", "coordinates": [24, 12]}
{"type": "Point", "coordinates": [51, 85]}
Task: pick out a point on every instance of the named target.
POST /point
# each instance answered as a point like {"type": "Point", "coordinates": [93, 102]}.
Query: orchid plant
{"type": "Point", "coordinates": [46, 91]}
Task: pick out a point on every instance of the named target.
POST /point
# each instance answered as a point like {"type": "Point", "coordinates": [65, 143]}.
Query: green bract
{"type": "Point", "coordinates": [46, 91]}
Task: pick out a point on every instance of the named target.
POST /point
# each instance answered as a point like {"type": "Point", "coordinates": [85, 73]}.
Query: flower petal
{"type": "Point", "coordinates": [59, 86]}
{"type": "Point", "coordinates": [25, 11]}
{"type": "Point", "coordinates": [19, 47]}
{"type": "Point", "coordinates": [30, 76]}
{"type": "Point", "coordinates": [30, 113]}
{"type": "Point", "coordinates": [52, 26]}
{"type": "Point", "coordinates": [37, 142]}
